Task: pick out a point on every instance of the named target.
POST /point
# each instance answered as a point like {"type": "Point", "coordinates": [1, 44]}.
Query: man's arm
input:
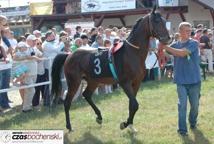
{"type": "Point", "coordinates": [176, 52]}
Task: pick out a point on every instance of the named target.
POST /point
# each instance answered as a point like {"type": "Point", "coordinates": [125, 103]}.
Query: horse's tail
{"type": "Point", "coordinates": [56, 86]}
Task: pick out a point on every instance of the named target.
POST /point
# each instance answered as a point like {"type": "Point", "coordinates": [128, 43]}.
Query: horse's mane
{"type": "Point", "coordinates": [135, 26]}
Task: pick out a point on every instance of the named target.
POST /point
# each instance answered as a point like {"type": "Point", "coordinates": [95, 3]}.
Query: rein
{"type": "Point", "coordinates": [150, 27]}
{"type": "Point", "coordinates": [156, 60]}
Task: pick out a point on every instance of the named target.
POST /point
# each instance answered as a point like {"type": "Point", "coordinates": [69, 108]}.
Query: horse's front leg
{"type": "Point", "coordinates": [136, 85]}
{"type": "Point", "coordinates": [133, 106]}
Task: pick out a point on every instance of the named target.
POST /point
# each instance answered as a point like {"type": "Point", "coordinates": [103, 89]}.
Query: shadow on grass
{"type": "Point", "coordinates": [199, 138]}
{"type": "Point", "coordinates": [155, 84]}
{"type": "Point", "coordinates": [16, 117]}
{"type": "Point", "coordinates": [87, 138]}
{"type": "Point", "coordinates": [133, 139]}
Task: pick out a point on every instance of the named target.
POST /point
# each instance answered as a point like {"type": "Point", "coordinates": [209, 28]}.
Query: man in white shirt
{"type": "Point", "coordinates": [50, 50]}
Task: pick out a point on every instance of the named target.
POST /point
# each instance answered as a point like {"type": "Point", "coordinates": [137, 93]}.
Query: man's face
{"type": "Point", "coordinates": [185, 32]}
{"type": "Point", "coordinates": [85, 41]}
{"type": "Point", "coordinates": [79, 43]}
{"type": "Point", "coordinates": [51, 37]}
{"type": "Point", "coordinates": [38, 35]}
{"type": "Point", "coordinates": [31, 43]}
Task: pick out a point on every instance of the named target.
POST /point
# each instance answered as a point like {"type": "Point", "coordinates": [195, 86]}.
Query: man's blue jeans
{"type": "Point", "coordinates": [185, 91]}
{"type": "Point", "coordinates": [4, 83]}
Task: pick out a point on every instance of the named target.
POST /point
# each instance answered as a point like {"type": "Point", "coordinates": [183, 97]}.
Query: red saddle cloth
{"type": "Point", "coordinates": [116, 47]}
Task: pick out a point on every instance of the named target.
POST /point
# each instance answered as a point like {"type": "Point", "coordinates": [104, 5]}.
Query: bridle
{"type": "Point", "coordinates": [151, 26]}
{"type": "Point", "coordinates": [152, 34]}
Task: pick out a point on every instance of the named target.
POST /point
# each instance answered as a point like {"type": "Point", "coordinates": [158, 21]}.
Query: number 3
{"type": "Point", "coordinates": [97, 68]}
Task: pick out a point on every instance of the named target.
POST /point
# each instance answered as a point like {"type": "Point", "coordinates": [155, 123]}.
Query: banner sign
{"type": "Point", "coordinates": [15, 11]}
{"type": "Point", "coordinates": [167, 3]}
{"type": "Point", "coordinates": [106, 5]}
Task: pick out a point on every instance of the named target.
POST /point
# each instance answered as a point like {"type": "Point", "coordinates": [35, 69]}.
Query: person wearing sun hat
{"type": "Point", "coordinates": [37, 33]}
{"type": "Point", "coordinates": [33, 56]}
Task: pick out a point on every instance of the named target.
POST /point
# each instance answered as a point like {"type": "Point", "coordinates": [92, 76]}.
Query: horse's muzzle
{"type": "Point", "coordinates": [165, 40]}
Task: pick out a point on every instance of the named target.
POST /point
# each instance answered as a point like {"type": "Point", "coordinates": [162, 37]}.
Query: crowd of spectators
{"type": "Point", "coordinates": [29, 56]}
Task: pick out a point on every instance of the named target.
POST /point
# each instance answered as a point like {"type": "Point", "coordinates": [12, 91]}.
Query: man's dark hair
{"type": "Point", "coordinates": [84, 36]}
{"type": "Point", "coordinates": [48, 33]}
{"type": "Point", "coordinates": [78, 27]}
{"type": "Point", "coordinates": [205, 31]}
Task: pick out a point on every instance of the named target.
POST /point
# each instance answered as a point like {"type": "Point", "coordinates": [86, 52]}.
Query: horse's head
{"type": "Point", "coordinates": [158, 28]}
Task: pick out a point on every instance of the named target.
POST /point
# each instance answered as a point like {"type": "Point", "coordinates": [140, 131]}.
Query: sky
{"type": "Point", "coordinates": [14, 3]}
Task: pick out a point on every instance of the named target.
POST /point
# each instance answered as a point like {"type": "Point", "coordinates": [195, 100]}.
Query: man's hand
{"type": "Point", "coordinates": [161, 46]}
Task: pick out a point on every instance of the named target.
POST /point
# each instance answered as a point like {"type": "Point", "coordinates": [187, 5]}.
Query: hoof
{"type": "Point", "coordinates": [122, 125]}
{"type": "Point", "coordinates": [71, 130]}
{"type": "Point", "coordinates": [132, 129]}
{"type": "Point", "coordinates": [99, 121]}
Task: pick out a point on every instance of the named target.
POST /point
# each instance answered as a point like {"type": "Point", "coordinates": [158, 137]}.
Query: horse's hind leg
{"type": "Point", "coordinates": [88, 97]}
{"type": "Point", "coordinates": [72, 88]}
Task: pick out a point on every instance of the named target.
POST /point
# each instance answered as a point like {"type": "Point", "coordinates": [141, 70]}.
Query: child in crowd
{"type": "Point", "coordinates": [20, 69]}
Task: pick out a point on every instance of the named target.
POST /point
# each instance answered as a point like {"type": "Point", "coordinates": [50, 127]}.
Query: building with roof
{"type": "Point", "coordinates": [175, 11]}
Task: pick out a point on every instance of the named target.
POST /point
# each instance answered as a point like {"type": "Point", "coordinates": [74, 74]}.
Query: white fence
{"type": "Point", "coordinates": [12, 88]}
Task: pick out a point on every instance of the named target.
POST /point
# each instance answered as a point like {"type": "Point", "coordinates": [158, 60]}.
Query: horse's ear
{"type": "Point", "coordinates": [154, 9]}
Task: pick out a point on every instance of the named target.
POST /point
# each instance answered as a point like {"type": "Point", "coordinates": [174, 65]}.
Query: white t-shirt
{"type": "Point", "coordinates": [13, 43]}
{"type": "Point", "coordinates": [50, 50]}
{"type": "Point", "coordinates": [40, 64]}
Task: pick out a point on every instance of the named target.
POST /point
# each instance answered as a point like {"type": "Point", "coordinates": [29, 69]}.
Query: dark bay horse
{"type": "Point", "coordinates": [129, 63]}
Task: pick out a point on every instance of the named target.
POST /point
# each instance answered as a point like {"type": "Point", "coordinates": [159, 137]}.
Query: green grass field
{"type": "Point", "coordinates": [156, 119]}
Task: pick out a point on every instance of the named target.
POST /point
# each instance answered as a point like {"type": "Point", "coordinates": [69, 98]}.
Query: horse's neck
{"type": "Point", "coordinates": [140, 41]}
{"type": "Point", "coordinates": [141, 36]}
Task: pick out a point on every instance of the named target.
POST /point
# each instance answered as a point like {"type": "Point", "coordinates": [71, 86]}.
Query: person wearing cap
{"type": "Point", "coordinates": [37, 33]}
{"type": "Point", "coordinates": [5, 66]}
{"type": "Point", "coordinates": [50, 49]}
{"type": "Point", "coordinates": [33, 55]}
